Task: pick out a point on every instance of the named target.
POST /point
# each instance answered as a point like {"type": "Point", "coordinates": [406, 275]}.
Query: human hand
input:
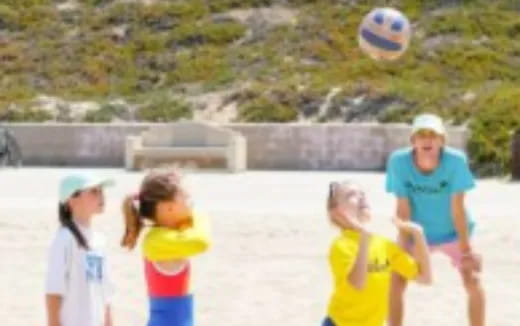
{"type": "Point", "coordinates": [348, 220]}
{"type": "Point", "coordinates": [471, 261]}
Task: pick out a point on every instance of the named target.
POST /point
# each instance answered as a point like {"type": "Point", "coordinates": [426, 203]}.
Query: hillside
{"type": "Point", "coordinates": [259, 61]}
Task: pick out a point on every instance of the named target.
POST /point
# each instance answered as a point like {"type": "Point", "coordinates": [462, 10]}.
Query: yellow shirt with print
{"type": "Point", "coordinates": [369, 306]}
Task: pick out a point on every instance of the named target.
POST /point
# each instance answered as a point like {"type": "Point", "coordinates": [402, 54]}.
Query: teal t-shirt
{"type": "Point", "coordinates": [430, 194]}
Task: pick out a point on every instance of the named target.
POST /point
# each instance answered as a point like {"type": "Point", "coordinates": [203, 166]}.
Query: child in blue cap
{"type": "Point", "coordinates": [78, 289]}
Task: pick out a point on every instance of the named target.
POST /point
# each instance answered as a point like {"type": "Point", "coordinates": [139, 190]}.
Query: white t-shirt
{"type": "Point", "coordinates": [80, 277]}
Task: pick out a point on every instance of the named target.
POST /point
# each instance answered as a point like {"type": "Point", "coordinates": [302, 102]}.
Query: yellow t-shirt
{"type": "Point", "coordinates": [369, 306]}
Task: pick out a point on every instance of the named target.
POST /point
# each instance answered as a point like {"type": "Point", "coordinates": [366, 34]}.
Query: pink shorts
{"type": "Point", "coordinates": [452, 250]}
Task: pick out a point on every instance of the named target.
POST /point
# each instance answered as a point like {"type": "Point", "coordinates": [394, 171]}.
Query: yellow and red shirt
{"type": "Point", "coordinates": [171, 301]}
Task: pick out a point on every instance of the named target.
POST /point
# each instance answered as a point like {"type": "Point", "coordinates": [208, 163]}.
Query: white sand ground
{"type": "Point", "coordinates": [268, 262]}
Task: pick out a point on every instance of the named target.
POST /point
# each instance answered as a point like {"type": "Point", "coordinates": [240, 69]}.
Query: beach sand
{"type": "Point", "coordinates": [268, 263]}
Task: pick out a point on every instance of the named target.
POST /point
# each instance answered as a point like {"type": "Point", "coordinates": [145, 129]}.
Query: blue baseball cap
{"type": "Point", "coordinates": [428, 121]}
{"type": "Point", "coordinates": [73, 183]}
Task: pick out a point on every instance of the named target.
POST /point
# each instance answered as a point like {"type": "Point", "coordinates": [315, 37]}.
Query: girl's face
{"type": "Point", "coordinates": [89, 201]}
{"type": "Point", "coordinates": [174, 213]}
{"type": "Point", "coordinates": [352, 201]}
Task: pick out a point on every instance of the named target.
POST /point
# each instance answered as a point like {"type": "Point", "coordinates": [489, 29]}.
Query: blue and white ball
{"type": "Point", "coordinates": [384, 34]}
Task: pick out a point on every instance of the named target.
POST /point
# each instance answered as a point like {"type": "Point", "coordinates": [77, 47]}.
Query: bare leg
{"type": "Point", "coordinates": [397, 289]}
{"type": "Point", "coordinates": [476, 298]}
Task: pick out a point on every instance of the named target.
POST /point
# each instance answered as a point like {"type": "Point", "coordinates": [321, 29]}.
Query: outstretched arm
{"type": "Point", "coordinates": [460, 221]}
{"type": "Point", "coordinates": [471, 260]}
{"type": "Point", "coordinates": [358, 274]}
{"type": "Point", "coordinates": [403, 212]}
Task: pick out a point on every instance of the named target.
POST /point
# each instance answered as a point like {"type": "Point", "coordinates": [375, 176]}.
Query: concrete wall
{"type": "Point", "coordinates": [73, 144]}
{"type": "Point", "coordinates": [270, 146]}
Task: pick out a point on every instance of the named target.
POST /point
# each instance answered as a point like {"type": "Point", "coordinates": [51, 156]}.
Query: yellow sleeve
{"type": "Point", "coordinates": [401, 262]}
{"type": "Point", "coordinates": [342, 258]}
{"type": "Point", "coordinates": [162, 244]}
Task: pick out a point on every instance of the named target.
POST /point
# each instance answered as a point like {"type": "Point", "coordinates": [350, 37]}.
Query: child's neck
{"type": "Point", "coordinates": [426, 164]}
{"type": "Point", "coordinates": [84, 220]}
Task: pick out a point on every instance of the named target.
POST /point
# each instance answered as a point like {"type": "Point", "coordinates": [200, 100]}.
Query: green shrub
{"type": "Point", "coordinates": [144, 41]}
{"type": "Point", "coordinates": [164, 109]}
{"type": "Point", "coordinates": [212, 33]}
{"type": "Point", "coordinates": [266, 110]}
{"type": "Point", "coordinates": [186, 10]}
{"type": "Point", "coordinates": [157, 16]}
{"type": "Point", "coordinates": [8, 18]}
{"type": "Point", "coordinates": [206, 65]}
{"type": "Point", "coordinates": [26, 115]}
{"type": "Point", "coordinates": [120, 13]}
{"type": "Point", "coordinates": [38, 19]}
{"type": "Point", "coordinates": [24, 4]}
{"type": "Point", "coordinates": [495, 119]}
{"type": "Point", "coordinates": [224, 5]}
{"type": "Point", "coordinates": [106, 113]}
{"type": "Point", "coordinates": [96, 3]}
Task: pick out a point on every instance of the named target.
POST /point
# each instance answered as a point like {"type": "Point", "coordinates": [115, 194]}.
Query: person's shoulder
{"type": "Point", "coordinates": [455, 156]}
{"type": "Point", "coordinates": [63, 234]}
{"type": "Point", "coordinates": [63, 238]}
{"type": "Point", "coordinates": [400, 155]}
{"type": "Point", "coordinates": [343, 243]}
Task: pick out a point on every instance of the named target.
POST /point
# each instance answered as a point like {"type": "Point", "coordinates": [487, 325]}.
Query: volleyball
{"type": "Point", "coordinates": [384, 34]}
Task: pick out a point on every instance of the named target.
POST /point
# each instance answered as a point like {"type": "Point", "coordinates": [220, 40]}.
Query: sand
{"type": "Point", "coordinates": [268, 262]}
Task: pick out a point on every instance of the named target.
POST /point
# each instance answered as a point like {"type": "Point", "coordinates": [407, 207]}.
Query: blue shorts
{"type": "Point", "coordinates": [171, 311]}
{"type": "Point", "coordinates": [328, 322]}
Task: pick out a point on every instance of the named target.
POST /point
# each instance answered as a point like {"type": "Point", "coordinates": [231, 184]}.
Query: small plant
{"type": "Point", "coordinates": [266, 110]}
{"type": "Point", "coordinates": [106, 113]}
{"type": "Point", "coordinates": [164, 109]}
{"type": "Point", "coordinates": [26, 114]}
{"type": "Point", "coordinates": [209, 33]}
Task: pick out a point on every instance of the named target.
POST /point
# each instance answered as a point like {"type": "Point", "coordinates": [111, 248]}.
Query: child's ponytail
{"type": "Point", "coordinates": [156, 186]}
{"type": "Point", "coordinates": [133, 223]}
{"type": "Point", "coordinates": [65, 216]}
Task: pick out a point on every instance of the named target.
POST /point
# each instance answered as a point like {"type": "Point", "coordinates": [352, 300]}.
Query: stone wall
{"type": "Point", "coordinates": [270, 146]}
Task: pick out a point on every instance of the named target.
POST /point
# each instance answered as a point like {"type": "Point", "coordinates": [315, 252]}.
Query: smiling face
{"type": "Point", "coordinates": [427, 144]}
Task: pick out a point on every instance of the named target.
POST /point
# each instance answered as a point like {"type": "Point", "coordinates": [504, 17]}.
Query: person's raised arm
{"type": "Point", "coordinates": [358, 274]}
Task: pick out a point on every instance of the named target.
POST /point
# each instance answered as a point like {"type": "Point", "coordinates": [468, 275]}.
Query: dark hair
{"type": "Point", "coordinates": [156, 187]}
{"type": "Point", "coordinates": [65, 216]}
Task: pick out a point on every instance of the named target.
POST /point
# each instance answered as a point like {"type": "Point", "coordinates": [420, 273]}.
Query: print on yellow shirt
{"type": "Point", "coordinates": [369, 306]}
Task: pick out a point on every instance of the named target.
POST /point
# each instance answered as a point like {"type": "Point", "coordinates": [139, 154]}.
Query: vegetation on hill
{"type": "Point", "coordinates": [463, 62]}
